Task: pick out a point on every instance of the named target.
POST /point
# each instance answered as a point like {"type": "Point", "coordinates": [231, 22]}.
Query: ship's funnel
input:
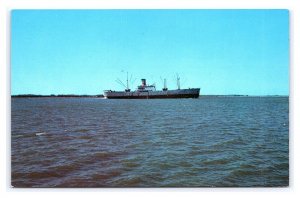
{"type": "Point", "coordinates": [143, 82]}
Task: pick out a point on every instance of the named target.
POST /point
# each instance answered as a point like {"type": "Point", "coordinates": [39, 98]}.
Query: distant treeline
{"type": "Point", "coordinates": [56, 96]}
{"type": "Point", "coordinates": [230, 95]}
{"type": "Point", "coordinates": [101, 96]}
{"type": "Point", "coordinates": [237, 95]}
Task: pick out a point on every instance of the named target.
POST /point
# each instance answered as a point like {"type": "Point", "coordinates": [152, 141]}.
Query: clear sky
{"type": "Point", "coordinates": [85, 51]}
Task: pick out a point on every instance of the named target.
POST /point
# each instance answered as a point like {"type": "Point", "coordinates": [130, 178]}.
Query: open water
{"type": "Point", "coordinates": [92, 142]}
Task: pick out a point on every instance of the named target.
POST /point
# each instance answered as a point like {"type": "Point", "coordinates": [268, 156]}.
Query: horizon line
{"type": "Point", "coordinates": [94, 95]}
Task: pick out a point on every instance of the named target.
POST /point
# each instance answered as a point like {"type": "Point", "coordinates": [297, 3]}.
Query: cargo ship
{"type": "Point", "coordinates": [145, 91]}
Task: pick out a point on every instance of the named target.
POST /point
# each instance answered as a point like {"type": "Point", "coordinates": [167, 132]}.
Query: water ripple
{"type": "Point", "coordinates": [206, 142]}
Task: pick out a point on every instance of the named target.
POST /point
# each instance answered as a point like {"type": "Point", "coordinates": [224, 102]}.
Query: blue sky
{"type": "Point", "coordinates": [85, 51]}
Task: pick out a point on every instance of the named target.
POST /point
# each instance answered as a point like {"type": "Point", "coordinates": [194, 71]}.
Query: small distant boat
{"type": "Point", "coordinates": [145, 91]}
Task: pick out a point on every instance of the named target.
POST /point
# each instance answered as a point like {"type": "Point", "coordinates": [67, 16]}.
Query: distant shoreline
{"type": "Point", "coordinates": [56, 96]}
{"type": "Point", "coordinates": [102, 96]}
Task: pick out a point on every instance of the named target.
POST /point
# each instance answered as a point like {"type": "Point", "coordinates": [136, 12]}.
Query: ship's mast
{"type": "Point", "coordinates": [178, 81]}
{"type": "Point", "coordinates": [127, 85]}
{"type": "Point", "coordinates": [165, 85]}
{"type": "Point", "coordinates": [127, 89]}
{"type": "Point", "coordinates": [127, 81]}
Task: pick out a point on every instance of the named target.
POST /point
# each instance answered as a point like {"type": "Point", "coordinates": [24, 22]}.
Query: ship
{"type": "Point", "coordinates": [145, 91]}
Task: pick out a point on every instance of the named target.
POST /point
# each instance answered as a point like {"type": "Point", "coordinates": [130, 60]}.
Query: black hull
{"type": "Point", "coordinates": [155, 96]}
